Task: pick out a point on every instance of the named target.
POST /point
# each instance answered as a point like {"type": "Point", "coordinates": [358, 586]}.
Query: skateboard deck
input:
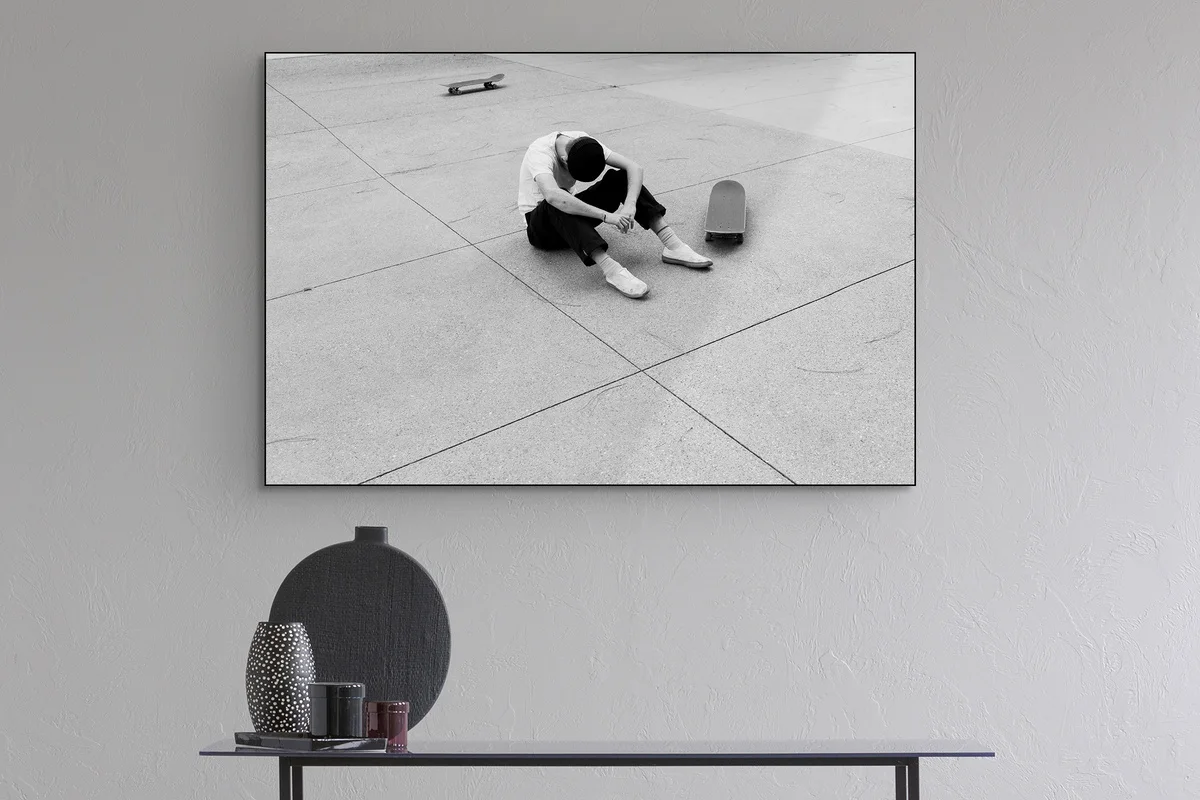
{"type": "Point", "coordinates": [726, 212]}
{"type": "Point", "coordinates": [488, 83]}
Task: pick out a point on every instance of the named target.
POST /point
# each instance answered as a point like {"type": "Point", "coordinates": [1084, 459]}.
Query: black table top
{"type": "Point", "coordinates": [642, 753]}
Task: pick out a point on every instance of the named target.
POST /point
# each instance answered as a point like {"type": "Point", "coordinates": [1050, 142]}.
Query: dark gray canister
{"type": "Point", "coordinates": [337, 710]}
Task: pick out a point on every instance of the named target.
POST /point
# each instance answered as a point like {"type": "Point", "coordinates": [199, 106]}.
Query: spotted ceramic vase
{"type": "Point", "coordinates": [278, 670]}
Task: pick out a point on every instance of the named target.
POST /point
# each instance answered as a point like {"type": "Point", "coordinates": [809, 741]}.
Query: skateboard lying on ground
{"type": "Point", "coordinates": [726, 212]}
{"type": "Point", "coordinates": [488, 83]}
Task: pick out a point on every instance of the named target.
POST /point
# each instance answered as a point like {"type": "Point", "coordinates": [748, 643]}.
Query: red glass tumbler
{"type": "Point", "coordinates": [388, 719]}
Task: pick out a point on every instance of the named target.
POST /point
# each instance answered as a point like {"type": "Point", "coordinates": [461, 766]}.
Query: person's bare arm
{"type": "Point", "coordinates": [565, 201]}
{"type": "Point", "coordinates": [568, 203]}
{"type": "Point", "coordinates": [635, 174]}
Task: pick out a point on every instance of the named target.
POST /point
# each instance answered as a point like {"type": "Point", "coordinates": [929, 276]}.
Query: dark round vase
{"type": "Point", "coordinates": [278, 671]}
{"type": "Point", "coordinates": [374, 616]}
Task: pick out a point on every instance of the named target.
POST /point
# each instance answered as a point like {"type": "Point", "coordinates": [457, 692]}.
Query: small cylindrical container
{"type": "Point", "coordinates": [336, 710]}
{"type": "Point", "coordinates": [388, 719]}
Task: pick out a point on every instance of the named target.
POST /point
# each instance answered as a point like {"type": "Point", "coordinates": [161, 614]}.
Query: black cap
{"type": "Point", "coordinates": [585, 159]}
{"type": "Point", "coordinates": [336, 689]}
{"type": "Point", "coordinates": [376, 534]}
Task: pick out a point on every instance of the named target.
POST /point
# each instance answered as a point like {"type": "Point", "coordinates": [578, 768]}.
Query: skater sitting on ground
{"type": "Point", "coordinates": [557, 219]}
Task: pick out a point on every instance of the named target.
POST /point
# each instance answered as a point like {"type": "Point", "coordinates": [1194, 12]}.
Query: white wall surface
{"type": "Point", "coordinates": [1036, 590]}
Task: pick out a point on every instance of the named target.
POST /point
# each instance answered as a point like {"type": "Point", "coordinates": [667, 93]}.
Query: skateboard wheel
{"type": "Point", "coordinates": [708, 237]}
{"type": "Point", "coordinates": [739, 238]}
{"type": "Point", "coordinates": [489, 86]}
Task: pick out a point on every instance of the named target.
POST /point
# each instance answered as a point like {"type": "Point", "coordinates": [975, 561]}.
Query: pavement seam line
{"type": "Point", "coordinates": [645, 371]}
{"type": "Point", "coordinates": [838, 146]}
{"type": "Point", "coordinates": [368, 272]}
{"type": "Point", "coordinates": [379, 175]}
{"type": "Point", "coordinates": [297, 105]}
{"type": "Point", "coordinates": [780, 314]}
{"type": "Point", "coordinates": [500, 427]}
{"type": "Point", "coordinates": [394, 83]}
{"type": "Point", "coordinates": [555, 306]}
{"type": "Point", "coordinates": [397, 188]}
{"type": "Point", "coordinates": [433, 77]}
{"type": "Point", "coordinates": [660, 80]}
{"type": "Point", "coordinates": [704, 417]}
{"type": "Point", "coordinates": [350, 150]}
{"type": "Point", "coordinates": [884, 135]}
{"type": "Point", "coordinates": [319, 188]}
{"type": "Point", "coordinates": [481, 105]}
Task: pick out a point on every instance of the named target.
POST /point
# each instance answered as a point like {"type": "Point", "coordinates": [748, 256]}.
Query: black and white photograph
{"type": "Point", "coordinates": [590, 268]}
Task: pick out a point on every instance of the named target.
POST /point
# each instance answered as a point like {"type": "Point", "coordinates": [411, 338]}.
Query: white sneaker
{"type": "Point", "coordinates": [686, 256]}
{"type": "Point", "coordinates": [627, 284]}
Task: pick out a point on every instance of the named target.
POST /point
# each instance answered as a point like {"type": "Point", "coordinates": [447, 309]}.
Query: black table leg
{"type": "Point", "coordinates": [285, 779]}
{"type": "Point", "coordinates": [914, 781]}
{"type": "Point", "coordinates": [297, 781]}
{"type": "Point", "coordinates": [901, 782]}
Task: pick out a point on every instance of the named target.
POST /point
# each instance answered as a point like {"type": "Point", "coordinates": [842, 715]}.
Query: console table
{"type": "Point", "coordinates": [904, 755]}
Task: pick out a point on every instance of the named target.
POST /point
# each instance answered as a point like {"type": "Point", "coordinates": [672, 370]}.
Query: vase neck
{"type": "Point", "coordinates": [373, 534]}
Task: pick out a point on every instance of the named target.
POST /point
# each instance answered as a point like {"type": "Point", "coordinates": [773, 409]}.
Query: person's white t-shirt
{"type": "Point", "coordinates": [541, 157]}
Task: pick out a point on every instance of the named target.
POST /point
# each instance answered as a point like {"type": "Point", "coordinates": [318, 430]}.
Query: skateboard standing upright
{"type": "Point", "coordinates": [726, 212]}
{"type": "Point", "coordinates": [488, 83]}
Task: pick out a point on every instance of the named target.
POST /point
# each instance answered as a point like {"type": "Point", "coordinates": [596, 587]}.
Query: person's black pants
{"type": "Point", "coordinates": [549, 228]}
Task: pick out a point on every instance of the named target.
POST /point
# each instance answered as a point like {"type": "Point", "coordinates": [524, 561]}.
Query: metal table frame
{"type": "Point", "coordinates": [291, 765]}
{"type": "Point", "coordinates": [291, 768]}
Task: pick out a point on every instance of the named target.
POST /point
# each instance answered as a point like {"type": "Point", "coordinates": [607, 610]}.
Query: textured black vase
{"type": "Point", "coordinates": [278, 671]}
{"type": "Point", "coordinates": [374, 616]}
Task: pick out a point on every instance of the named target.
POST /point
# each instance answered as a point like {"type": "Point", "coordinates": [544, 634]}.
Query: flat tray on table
{"type": "Point", "coordinates": [303, 743]}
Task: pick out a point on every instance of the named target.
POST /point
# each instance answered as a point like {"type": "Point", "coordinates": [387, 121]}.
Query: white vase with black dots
{"type": "Point", "coordinates": [278, 670]}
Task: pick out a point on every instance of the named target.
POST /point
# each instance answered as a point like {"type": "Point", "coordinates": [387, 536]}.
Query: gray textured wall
{"type": "Point", "coordinates": [1036, 589]}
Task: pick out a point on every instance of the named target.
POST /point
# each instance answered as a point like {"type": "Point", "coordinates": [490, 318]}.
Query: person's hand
{"type": "Point", "coordinates": [627, 210]}
{"type": "Point", "coordinates": [623, 218]}
{"type": "Point", "coordinates": [622, 223]}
